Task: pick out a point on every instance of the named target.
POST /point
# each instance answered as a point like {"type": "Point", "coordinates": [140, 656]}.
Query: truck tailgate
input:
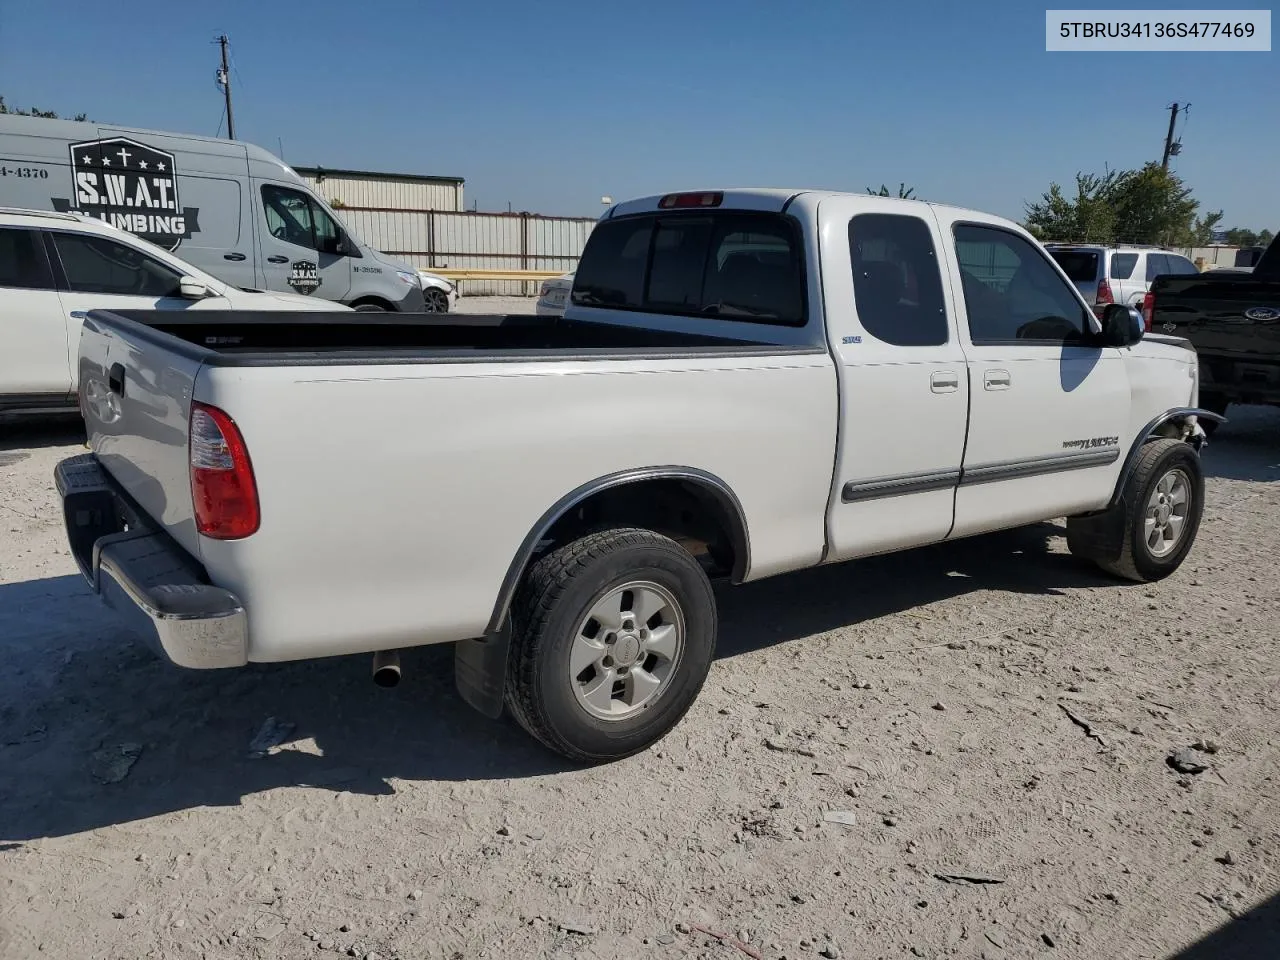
{"type": "Point", "coordinates": [136, 399]}
{"type": "Point", "coordinates": [1228, 317]}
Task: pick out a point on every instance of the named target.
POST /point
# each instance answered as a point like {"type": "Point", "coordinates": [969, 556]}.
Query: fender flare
{"type": "Point", "coordinates": [719, 490]}
{"type": "Point", "coordinates": [480, 665]}
{"type": "Point", "coordinates": [1148, 433]}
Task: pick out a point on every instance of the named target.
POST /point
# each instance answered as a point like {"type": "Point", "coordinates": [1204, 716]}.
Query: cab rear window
{"type": "Point", "coordinates": [1080, 265]}
{"type": "Point", "coordinates": [735, 266]}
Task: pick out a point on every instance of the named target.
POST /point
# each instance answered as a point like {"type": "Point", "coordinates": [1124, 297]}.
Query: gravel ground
{"type": "Point", "coordinates": [955, 752]}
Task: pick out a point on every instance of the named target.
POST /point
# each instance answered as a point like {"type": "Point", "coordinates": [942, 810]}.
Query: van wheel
{"type": "Point", "coordinates": [369, 308]}
{"type": "Point", "coordinates": [612, 638]}
{"type": "Point", "coordinates": [437, 300]}
{"type": "Point", "coordinates": [1158, 516]}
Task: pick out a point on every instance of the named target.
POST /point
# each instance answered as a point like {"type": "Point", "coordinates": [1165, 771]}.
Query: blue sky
{"type": "Point", "coordinates": [549, 105]}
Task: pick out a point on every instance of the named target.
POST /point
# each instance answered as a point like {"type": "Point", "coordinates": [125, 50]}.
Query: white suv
{"type": "Point", "coordinates": [1116, 274]}
{"type": "Point", "coordinates": [55, 267]}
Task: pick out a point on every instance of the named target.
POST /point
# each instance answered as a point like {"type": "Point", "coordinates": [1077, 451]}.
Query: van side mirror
{"type": "Point", "coordinates": [1122, 326]}
{"type": "Point", "coordinates": [189, 288]}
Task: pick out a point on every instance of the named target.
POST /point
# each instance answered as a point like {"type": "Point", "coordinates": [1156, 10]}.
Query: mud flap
{"type": "Point", "coordinates": [480, 670]}
{"type": "Point", "coordinates": [1100, 536]}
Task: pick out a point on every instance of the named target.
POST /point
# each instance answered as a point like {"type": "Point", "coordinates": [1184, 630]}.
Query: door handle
{"type": "Point", "coordinates": [277, 259]}
{"type": "Point", "coordinates": [997, 380]}
{"type": "Point", "coordinates": [944, 381]}
{"type": "Point", "coordinates": [233, 256]}
{"type": "Point", "coordinates": [115, 379]}
{"type": "Point", "coordinates": [78, 314]}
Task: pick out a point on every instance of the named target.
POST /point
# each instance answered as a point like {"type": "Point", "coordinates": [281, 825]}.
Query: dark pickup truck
{"type": "Point", "coordinates": [1232, 318]}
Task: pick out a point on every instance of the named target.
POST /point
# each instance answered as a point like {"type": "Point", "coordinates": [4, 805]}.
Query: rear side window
{"type": "Point", "coordinates": [1157, 263]}
{"type": "Point", "coordinates": [1122, 265]}
{"type": "Point", "coordinates": [99, 265]}
{"type": "Point", "coordinates": [22, 261]}
{"type": "Point", "coordinates": [897, 284]}
{"type": "Point", "coordinates": [734, 266]}
{"type": "Point", "coordinates": [1080, 265]}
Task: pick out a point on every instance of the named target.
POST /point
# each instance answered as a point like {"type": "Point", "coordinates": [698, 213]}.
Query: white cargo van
{"type": "Point", "coordinates": [228, 207]}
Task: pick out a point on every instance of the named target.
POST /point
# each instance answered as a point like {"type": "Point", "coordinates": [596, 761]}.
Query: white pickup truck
{"type": "Point", "coordinates": [745, 383]}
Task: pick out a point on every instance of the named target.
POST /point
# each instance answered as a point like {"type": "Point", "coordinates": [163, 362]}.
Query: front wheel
{"type": "Point", "coordinates": [1157, 518]}
{"type": "Point", "coordinates": [437, 301]}
{"type": "Point", "coordinates": [612, 638]}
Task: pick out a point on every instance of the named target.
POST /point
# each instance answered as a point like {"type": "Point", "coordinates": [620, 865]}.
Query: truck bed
{"type": "Point", "coordinates": [252, 338]}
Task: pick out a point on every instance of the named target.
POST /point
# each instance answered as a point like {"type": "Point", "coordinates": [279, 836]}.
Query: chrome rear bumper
{"type": "Point", "coordinates": [142, 574]}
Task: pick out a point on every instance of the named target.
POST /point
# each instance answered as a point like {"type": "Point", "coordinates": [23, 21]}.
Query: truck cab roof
{"type": "Point", "coordinates": [772, 200]}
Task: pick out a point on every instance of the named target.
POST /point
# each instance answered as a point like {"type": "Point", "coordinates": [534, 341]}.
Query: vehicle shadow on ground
{"type": "Point", "coordinates": [80, 699]}
{"type": "Point", "coordinates": [1247, 447]}
{"type": "Point", "coordinates": [55, 431]}
{"type": "Point", "coordinates": [1251, 936]}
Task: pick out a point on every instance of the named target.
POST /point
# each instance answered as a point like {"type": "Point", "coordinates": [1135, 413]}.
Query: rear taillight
{"type": "Point", "coordinates": [1105, 297]}
{"type": "Point", "coordinates": [1148, 310]}
{"type": "Point", "coordinates": [222, 487]}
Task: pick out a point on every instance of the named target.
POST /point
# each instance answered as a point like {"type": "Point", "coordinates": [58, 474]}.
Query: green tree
{"type": "Point", "coordinates": [36, 112]}
{"type": "Point", "coordinates": [1150, 205]}
{"type": "Point", "coordinates": [904, 192]}
{"type": "Point", "coordinates": [1089, 215]}
{"type": "Point", "coordinates": [1242, 237]}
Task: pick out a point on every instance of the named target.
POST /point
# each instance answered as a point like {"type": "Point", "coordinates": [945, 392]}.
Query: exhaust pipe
{"type": "Point", "coordinates": [386, 668]}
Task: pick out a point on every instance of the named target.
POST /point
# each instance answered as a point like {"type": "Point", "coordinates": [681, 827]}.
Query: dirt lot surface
{"type": "Point", "coordinates": [954, 752]}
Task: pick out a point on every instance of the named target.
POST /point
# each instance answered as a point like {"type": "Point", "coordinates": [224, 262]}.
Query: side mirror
{"type": "Point", "coordinates": [189, 288]}
{"type": "Point", "coordinates": [1122, 326]}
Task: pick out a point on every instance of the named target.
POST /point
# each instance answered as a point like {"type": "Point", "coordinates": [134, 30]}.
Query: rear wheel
{"type": "Point", "coordinates": [612, 639]}
{"type": "Point", "coordinates": [1149, 533]}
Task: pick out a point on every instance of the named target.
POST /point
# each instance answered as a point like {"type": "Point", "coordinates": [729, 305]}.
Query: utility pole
{"type": "Point", "coordinates": [224, 78]}
{"type": "Point", "coordinates": [1168, 140]}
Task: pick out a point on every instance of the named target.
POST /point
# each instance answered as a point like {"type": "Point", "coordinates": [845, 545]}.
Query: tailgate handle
{"type": "Point", "coordinates": [115, 378]}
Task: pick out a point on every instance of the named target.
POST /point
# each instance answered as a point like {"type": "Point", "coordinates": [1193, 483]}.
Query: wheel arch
{"type": "Point", "coordinates": [376, 302]}
{"type": "Point", "coordinates": [1166, 425]}
{"type": "Point", "coordinates": [632, 489]}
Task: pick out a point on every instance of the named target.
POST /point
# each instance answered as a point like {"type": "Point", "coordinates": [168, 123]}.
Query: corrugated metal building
{"type": "Point", "coordinates": [370, 190]}
{"type": "Point", "coordinates": [422, 219]}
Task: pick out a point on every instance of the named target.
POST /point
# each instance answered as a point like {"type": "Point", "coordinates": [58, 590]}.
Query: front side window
{"type": "Point", "coordinates": [1011, 293]}
{"type": "Point", "coordinates": [296, 218]}
{"type": "Point", "coordinates": [731, 265]}
{"type": "Point", "coordinates": [22, 261]}
{"type": "Point", "coordinates": [897, 284]}
{"type": "Point", "coordinates": [1180, 265]}
{"type": "Point", "coordinates": [100, 265]}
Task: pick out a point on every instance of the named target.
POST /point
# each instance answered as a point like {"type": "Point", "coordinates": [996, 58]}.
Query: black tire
{"type": "Point", "coordinates": [556, 595]}
{"type": "Point", "coordinates": [1214, 403]}
{"type": "Point", "coordinates": [1135, 560]}
{"type": "Point", "coordinates": [369, 308]}
{"type": "Point", "coordinates": [437, 301]}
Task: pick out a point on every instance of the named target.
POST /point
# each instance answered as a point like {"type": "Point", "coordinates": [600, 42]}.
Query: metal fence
{"type": "Point", "coordinates": [495, 241]}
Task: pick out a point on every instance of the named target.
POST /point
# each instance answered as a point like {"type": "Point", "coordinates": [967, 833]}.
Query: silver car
{"type": "Point", "coordinates": [1116, 274]}
{"type": "Point", "coordinates": [553, 296]}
